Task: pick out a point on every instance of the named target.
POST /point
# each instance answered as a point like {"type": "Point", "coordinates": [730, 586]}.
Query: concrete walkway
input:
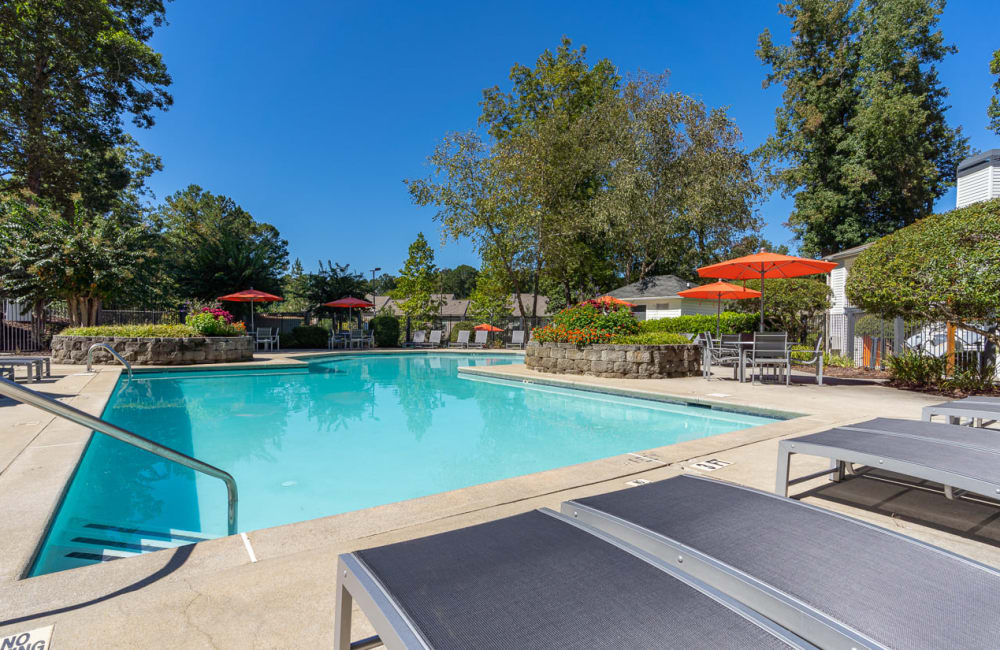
{"type": "Point", "coordinates": [214, 595]}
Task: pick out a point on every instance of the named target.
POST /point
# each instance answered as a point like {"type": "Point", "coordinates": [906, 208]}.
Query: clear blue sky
{"type": "Point", "coordinates": [310, 114]}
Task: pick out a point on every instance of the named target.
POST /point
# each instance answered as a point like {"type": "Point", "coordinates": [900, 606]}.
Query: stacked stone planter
{"type": "Point", "coordinates": [154, 351]}
{"type": "Point", "coordinates": [615, 361]}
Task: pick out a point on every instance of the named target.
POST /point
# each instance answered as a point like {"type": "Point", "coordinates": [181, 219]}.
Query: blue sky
{"type": "Point", "coordinates": [310, 114]}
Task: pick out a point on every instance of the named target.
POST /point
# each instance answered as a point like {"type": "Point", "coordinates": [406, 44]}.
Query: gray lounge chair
{"type": "Point", "coordinates": [537, 580]}
{"type": "Point", "coordinates": [815, 360]}
{"type": "Point", "coordinates": [419, 339]}
{"type": "Point", "coordinates": [462, 341]}
{"type": "Point", "coordinates": [715, 354]}
{"type": "Point", "coordinates": [980, 411]}
{"type": "Point", "coordinates": [959, 458]}
{"type": "Point", "coordinates": [435, 339]}
{"type": "Point", "coordinates": [833, 580]}
{"type": "Point", "coordinates": [516, 339]}
{"type": "Point", "coordinates": [480, 341]}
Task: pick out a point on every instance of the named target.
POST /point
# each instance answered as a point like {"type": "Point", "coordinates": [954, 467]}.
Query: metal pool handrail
{"type": "Point", "coordinates": [67, 412]}
{"type": "Point", "coordinates": [114, 353]}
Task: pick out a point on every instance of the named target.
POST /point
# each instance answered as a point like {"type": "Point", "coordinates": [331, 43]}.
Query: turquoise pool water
{"type": "Point", "coordinates": [342, 434]}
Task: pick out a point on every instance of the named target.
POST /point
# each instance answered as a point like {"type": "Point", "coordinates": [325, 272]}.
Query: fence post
{"type": "Point", "coordinates": [849, 346]}
{"type": "Point", "coordinates": [951, 349]}
{"type": "Point", "coordinates": [898, 335]}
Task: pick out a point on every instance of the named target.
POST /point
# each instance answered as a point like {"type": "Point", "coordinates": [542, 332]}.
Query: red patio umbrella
{"type": "Point", "coordinates": [486, 327]}
{"type": "Point", "coordinates": [349, 302]}
{"type": "Point", "coordinates": [251, 296]}
{"type": "Point", "coordinates": [719, 291]}
{"type": "Point", "coordinates": [765, 265]}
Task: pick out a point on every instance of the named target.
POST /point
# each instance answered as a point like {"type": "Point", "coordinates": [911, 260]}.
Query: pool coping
{"type": "Point", "coordinates": [353, 527]}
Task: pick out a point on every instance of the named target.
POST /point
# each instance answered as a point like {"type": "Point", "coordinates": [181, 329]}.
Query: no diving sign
{"type": "Point", "coordinates": [31, 640]}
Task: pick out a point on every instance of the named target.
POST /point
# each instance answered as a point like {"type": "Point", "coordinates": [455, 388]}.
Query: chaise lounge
{"type": "Point", "coordinates": [961, 459]}
{"type": "Point", "coordinates": [980, 410]}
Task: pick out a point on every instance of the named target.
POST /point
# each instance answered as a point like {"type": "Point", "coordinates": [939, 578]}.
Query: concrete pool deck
{"type": "Point", "coordinates": [214, 595]}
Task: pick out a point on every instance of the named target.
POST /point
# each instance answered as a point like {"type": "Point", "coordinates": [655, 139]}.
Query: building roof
{"type": "Point", "coordinates": [455, 307]}
{"type": "Point", "coordinates": [974, 163]}
{"type": "Point", "coordinates": [847, 252]}
{"type": "Point", "coordinates": [528, 299]}
{"type": "Point", "coordinates": [657, 286]}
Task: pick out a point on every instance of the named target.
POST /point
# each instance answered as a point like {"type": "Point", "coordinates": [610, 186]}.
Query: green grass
{"type": "Point", "coordinates": [145, 331]}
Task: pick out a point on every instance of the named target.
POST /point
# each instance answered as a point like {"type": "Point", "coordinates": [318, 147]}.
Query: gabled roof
{"type": "Point", "coordinates": [847, 252]}
{"type": "Point", "coordinates": [657, 286]}
{"type": "Point", "coordinates": [528, 299]}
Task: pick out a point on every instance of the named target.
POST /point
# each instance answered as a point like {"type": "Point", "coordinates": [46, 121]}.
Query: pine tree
{"type": "Point", "coordinates": [414, 292]}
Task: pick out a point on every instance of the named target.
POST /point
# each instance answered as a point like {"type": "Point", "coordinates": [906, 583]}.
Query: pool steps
{"type": "Point", "coordinates": [85, 543]}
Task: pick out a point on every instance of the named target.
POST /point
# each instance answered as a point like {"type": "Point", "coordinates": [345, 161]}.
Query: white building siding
{"type": "Point", "coordinates": [977, 186]}
{"type": "Point", "coordinates": [673, 307]}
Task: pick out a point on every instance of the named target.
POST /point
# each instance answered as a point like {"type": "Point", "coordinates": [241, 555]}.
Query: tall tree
{"type": "Point", "coordinates": [459, 281]}
{"type": "Point", "coordinates": [71, 70]}
{"type": "Point", "coordinates": [212, 246]}
{"type": "Point", "coordinates": [680, 191]}
{"type": "Point", "coordinates": [490, 300]}
{"type": "Point", "coordinates": [82, 257]}
{"type": "Point", "coordinates": [861, 138]}
{"type": "Point", "coordinates": [993, 110]}
{"type": "Point", "coordinates": [414, 292]}
{"type": "Point", "coordinates": [332, 282]}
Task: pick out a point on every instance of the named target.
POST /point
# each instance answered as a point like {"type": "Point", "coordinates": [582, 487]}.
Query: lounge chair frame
{"type": "Point", "coordinates": [395, 629]}
{"type": "Point", "coordinates": [981, 411]}
{"type": "Point", "coordinates": [462, 341]}
{"type": "Point", "coordinates": [843, 461]}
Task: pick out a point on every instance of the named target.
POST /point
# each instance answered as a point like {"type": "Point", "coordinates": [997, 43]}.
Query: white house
{"type": "Point", "coordinates": [656, 297]}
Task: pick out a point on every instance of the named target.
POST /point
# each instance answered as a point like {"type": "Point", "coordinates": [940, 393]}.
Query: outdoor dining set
{"type": "Point", "coordinates": [761, 351]}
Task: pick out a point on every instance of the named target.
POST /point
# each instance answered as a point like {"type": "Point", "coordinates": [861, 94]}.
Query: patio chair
{"type": "Point", "coordinates": [815, 360]}
{"type": "Point", "coordinates": [717, 355]}
{"type": "Point", "coordinates": [263, 338]}
{"type": "Point", "coordinates": [537, 580]}
{"type": "Point", "coordinates": [770, 350]}
{"type": "Point", "coordinates": [419, 339]}
{"type": "Point", "coordinates": [980, 410]}
{"type": "Point", "coordinates": [435, 340]}
{"type": "Point", "coordinates": [462, 341]}
{"type": "Point", "coordinates": [480, 340]}
{"type": "Point", "coordinates": [962, 459]}
{"type": "Point", "coordinates": [835, 581]}
{"type": "Point", "coordinates": [516, 339]}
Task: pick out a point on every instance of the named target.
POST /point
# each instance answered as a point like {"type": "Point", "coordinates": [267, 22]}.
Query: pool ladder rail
{"type": "Point", "coordinates": [67, 412]}
{"type": "Point", "coordinates": [114, 353]}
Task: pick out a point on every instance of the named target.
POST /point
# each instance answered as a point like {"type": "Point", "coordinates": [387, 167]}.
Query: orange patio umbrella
{"type": "Point", "coordinates": [719, 291]}
{"type": "Point", "coordinates": [251, 296]}
{"type": "Point", "coordinates": [765, 265]}
{"type": "Point", "coordinates": [486, 327]}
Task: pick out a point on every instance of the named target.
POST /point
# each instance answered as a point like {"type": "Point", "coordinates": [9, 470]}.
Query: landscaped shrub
{"type": "Point", "coordinates": [305, 336]}
{"type": "Point", "coordinates": [460, 326]}
{"type": "Point", "coordinates": [132, 331]}
{"type": "Point", "coordinates": [211, 323]}
{"type": "Point", "coordinates": [915, 369]}
{"type": "Point", "coordinates": [729, 323]}
{"type": "Point", "coordinates": [386, 329]}
{"type": "Point", "coordinates": [586, 325]}
{"type": "Point", "coordinates": [652, 338]}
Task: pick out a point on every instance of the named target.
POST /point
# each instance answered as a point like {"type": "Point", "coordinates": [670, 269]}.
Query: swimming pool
{"type": "Point", "coordinates": [340, 434]}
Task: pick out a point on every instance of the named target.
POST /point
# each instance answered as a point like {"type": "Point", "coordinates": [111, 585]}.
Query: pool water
{"type": "Point", "coordinates": [342, 434]}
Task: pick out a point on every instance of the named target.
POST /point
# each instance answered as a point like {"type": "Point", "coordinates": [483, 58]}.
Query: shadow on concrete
{"type": "Point", "coordinates": [177, 560]}
{"type": "Point", "coordinates": [970, 517]}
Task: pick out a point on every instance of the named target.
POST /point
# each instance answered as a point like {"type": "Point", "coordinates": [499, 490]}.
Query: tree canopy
{"type": "Point", "coordinates": [211, 246]}
{"type": "Point", "coordinates": [71, 70]}
{"type": "Point", "coordinates": [416, 283]}
{"type": "Point", "coordinates": [861, 138]}
{"type": "Point", "coordinates": [944, 268]}
{"type": "Point", "coordinates": [993, 110]}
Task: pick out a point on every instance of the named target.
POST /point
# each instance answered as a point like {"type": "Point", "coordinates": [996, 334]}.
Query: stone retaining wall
{"type": "Point", "coordinates": [615, 361]}
{"type": "Point", "coordinates": [154, 351]}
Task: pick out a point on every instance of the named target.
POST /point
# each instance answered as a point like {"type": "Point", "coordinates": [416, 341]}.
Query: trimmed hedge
{"type": "Point", "coordinates": [134, 331]}
{"type": "Point", "coordinates": [386, 330]}
{"type": "Point", "coordinates": [652, 338]}
{"type": "Point", "coordinates": [305, 336]}
{"type": "Point", "coordinates": [729, 322]}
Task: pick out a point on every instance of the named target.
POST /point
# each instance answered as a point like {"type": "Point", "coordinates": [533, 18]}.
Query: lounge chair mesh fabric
{"type": "Point", "coordinates": [899, 593]}
{"type": "Point", "coordinates": [532, 581]}
{"type": "Point", "coordinates": [965, 451]}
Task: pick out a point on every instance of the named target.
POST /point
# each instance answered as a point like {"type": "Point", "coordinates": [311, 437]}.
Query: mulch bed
{"type": "Point", "coordinates": [846, 373]}
{"type": "Point", "coordinates": [932, 390]}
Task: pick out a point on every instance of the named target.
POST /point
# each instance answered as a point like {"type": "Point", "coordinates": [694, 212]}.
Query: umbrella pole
{"type": "Point", "coordinates": [762, 299]}
{"type": "Point", "coordinates": [718, 315]}
{"type": "Point", "coordinates": [251, 315]}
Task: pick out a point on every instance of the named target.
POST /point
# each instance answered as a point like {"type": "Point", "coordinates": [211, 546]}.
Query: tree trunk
{"type": "Point", "coordinates": [38, 321]}
{"type": "Point", "coordinates": [83, 310]}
